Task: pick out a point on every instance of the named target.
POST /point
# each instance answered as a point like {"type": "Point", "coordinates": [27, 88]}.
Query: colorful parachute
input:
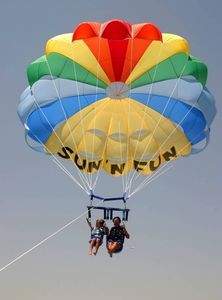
{"type": "Point", "coordinates": [119, 97]}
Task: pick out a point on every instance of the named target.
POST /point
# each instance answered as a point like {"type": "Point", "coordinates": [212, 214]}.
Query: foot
{"type": "Point", "coordinates": [90, 253]}
{"type": "Point", "coordinates": [95, 253]}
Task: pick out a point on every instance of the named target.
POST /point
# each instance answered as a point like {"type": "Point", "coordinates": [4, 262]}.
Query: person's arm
{"type": "Point", "coordinates": [106, 230]}
{"type": "Point", "coordinates": [89, 223]}
{"type": "Point", "coordinates": [125, 231]}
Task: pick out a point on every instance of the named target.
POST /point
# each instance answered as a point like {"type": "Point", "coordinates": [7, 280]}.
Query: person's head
{"type": "Point", "coordinates": [100, 222]}
{"type": "Point", "coordinates": [116, 221]}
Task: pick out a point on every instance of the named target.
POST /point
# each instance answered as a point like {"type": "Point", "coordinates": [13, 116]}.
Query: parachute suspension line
{"type": "Point", "coordinates": [152, 178]}
{"type": "Point", "coordinates": [97, 82]}
{"type": "Point", "coordinates": [129, 104]}
{"type": "Point", "coordinates": [106, 140]}
{"type": "Point", "coordinates": [104, 149]}
{"type": "Point", "coordinates": [129, 183]}
{"type": "Point", "coordinates": [121, 155]}
{"type": "Point", "coordinates": [148, 99]}
{"type": "Point", "coordinates": [163, 143]}
{"type": "Point", "coordinates": [43, 241]}
{"type": "Point", "coordinates": [69, 174]}
{"type": "Point", "coordinates": [157, 125]}
{"type": "Point", "coordinates": [67, 121]}
{"type": "Point", "coordinates": [47, 120]}
{"type": "Point", "coordinates": [65, 115]}
{"type": "Point", "coordinates": [124, 197]}
{"type": "Point", "coordinates": [81, 122]}
{"type": "Point", "coordinates": [147, 180]}
{"type": "Point", "coordinates": [63, 168]}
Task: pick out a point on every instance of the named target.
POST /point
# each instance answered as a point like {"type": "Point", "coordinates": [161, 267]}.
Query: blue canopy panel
{"type": "Point", "coordinates": [189, 118]}
{"type": "Point", "coordinates": [43, 120]}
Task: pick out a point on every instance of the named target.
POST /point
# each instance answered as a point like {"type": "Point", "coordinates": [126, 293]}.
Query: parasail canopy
{"type": "Point", "coordinates": [117, 97]}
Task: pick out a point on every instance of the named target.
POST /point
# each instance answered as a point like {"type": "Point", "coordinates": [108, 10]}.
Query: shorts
{"type": "Point", "coordinates": [115, 240]}
{"type": "Point", "coordinates": [94, 238]}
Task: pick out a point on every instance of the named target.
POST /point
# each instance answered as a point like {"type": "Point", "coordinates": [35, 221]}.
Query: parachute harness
{"type": "Point", "coordinates": [108, 211]}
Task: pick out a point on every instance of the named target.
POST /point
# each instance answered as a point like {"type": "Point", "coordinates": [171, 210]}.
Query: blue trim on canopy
{"type": "Point", "coordinates": [175, 110]}
{"type": "Point", "coordinates": [42, 121]}
{"type": "Point", "coordinates": [193, 125]}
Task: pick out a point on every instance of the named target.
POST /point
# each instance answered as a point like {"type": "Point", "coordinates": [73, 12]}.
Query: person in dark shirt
{"type": "Point", "coordinates": [116, 237]}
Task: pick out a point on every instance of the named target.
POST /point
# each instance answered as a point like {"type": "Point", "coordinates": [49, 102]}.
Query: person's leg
{"type": "Point", "coordinates": [115, 246]}
{"type": "Point", "coordinates": [92, 244]}
{"type": "Point", "coordinates": [109, 247]}
{"type": "Point", "coordinates": [98, 241]}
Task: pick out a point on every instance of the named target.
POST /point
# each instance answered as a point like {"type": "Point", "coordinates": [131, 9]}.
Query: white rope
{"type": "Point", "coordinates": [42, 242]}
{"type": "Point", "coordinates": [69, 174]}
{"type": "Point", "coordinates": [174, 131]}
{"type": "Point", "coordinates": [103, 154]}
{"type": "Point", "coordinates": [156, 126]}
{"type": "Point", "coordinates": [67, 121]}
{"type": "Point", "coordinates": [147, 180]}
{"type": "Point", "coordinates": [129, 106]}
{"type": "Point", "coordinates": [121, 154]}
{"type": "Point", "coordinates": [97, 82]}
{"type": "Point", "coordinates": [81, 122]}
{"type": "Point", "coordinates": [52, 130]}
{"type": "Point", "coordinates": [62, 166]}
{"type": "Point", "coordinates": [151, 178]}
{"type": "Point", "coordinates": [144, 113]}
